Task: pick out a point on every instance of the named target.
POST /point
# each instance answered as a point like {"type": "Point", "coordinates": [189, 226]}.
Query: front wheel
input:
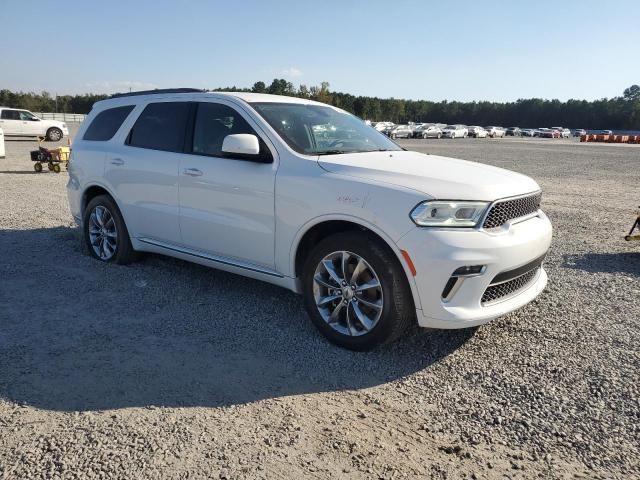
{"type": "Point", "coordinates": [54, 134]}
{"type": "Point", "coordinates": [356, 292]}
{"type": "Point", "coordinates": [105, 232]}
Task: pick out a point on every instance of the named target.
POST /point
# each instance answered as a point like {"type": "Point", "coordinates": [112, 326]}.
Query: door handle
{"type": "Point", "coordinates": [117, 161]}
{"type": "Point", "coordinates": [193, 172]}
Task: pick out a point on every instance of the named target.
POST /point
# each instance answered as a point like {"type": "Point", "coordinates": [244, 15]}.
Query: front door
{"type": "Point", "coordinates": [226, 204]}
{"type": "Point", "coordinates": [31, 125]}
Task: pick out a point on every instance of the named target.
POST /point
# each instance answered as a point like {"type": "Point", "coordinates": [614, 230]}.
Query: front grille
{"type": "Point", "coordinates": [497, 292]}
{"type": "Point", "coordinates": [503, 211]}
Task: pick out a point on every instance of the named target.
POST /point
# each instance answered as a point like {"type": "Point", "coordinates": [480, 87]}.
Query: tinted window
{"type": "Point", "coordinates": [161, 126]}
{"type": "Point", "coordinates": [214, 122]}
{"type": "Point", "coordinates": [107, 123]}
{"type": "Point", "coordinates": [10, 115]}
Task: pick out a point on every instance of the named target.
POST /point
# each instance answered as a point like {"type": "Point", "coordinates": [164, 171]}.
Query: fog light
{"type": "Point", "coordinates": [469, 271]}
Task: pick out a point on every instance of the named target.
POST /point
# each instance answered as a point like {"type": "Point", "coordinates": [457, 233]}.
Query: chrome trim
{"type": "Point", "coordinates": [212, 258]}
{"type": "Point", "coordinates": [454, 289]}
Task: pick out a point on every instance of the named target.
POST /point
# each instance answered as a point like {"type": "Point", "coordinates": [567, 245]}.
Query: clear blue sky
{"type": "Point", "coordinates": [460, 50]}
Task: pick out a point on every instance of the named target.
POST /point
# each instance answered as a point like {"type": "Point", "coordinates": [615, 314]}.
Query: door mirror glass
{"type": "Point", "coordinates": [241, 144]}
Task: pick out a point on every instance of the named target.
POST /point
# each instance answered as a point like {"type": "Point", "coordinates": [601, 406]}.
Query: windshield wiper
{"type": "Point", "coordinates": [331, 152]}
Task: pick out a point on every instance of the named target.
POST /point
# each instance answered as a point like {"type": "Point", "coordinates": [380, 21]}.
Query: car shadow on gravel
{"type": "Point", "coordinates": [623, 262]}
{"type": "Point", "coordinates": [81, 335]}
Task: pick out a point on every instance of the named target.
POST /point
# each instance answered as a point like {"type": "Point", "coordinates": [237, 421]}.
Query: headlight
{"type": "Point", "coordinates": [442, 213]}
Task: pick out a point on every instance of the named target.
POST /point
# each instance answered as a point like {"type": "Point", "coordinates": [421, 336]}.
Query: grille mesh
{"type": "Point", "coordinates": [501, 290]}
{"type": "Point", "coordinates": [502, 212]}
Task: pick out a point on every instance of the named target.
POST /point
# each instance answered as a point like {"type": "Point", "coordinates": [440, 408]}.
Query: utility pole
{"type": "Point", "coordinates": [56, 102]}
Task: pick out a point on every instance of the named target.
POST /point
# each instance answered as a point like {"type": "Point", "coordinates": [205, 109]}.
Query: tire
{"type": "Point", "coordinates": [387, 323]}
{"type": "Point", "coordinates": [56, 167]}
{"type": "Point", "coordinates": [37, 167]}
{"type": "Point", "coordinates": [439, 136]}
{"type": "Point", "coordinates": [54, 134]}
{"type": "Point", "coordinates": [424, 136]}
{"type": "Point", "coordinates": [50, 166]}
{"type": "Point", "coordinates": [393, 136]}
{"type": "Point", "coordinates": [123, 253]}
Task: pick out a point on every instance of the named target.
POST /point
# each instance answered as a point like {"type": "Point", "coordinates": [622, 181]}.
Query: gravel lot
{"type": "Point", "coordinates": [165, 369]}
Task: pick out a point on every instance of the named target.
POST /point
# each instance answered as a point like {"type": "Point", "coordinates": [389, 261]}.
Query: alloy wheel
{"type": "Point", "coordinates": [348, 293]}
{"type": "Point", "coordinates": [103, 234]}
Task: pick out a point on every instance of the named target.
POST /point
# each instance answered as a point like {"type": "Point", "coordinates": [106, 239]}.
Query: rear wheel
{"type": "Point", "coordinates": [56, 167]}
{"type": "Point", "coordinates": [105, 232]}
{"type": "Point", "coordinates": [356, 292]}
{"type": "Point", "coordinates": [37, 167]}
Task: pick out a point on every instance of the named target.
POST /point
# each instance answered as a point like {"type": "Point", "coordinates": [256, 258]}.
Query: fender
{"type": "Point", "coordinates": [363, 223]}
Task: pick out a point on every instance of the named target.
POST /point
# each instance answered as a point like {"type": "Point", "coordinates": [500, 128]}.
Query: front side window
{"type": "Point", "coordinates": [215, 121]}
{"type": "Point", "coordinates": [161, 126]}
{"type": "Point", "coordinates": [107, 123]}
{"type": "Point", "coordinates": [27, 116]}
{"type": "Point", "coordinates": [322, 130]}
{"type": "Point", "coordinates": [10, 115]}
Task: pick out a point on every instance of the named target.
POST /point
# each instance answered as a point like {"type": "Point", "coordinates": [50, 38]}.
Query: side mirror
{"type": "Point", "coordinates": [35, 119]}
{"type": "Point", "coordinates": [241, 144]}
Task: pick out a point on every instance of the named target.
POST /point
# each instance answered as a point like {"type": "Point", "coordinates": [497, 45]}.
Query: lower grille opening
{"type": "Point", "coordinates": [500, 291]}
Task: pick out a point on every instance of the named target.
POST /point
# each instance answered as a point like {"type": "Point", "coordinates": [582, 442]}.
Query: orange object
{"type": "Point", "coordinates": [410, 264]}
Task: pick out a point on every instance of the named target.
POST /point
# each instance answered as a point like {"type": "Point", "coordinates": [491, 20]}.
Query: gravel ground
{"type": "Point", "coordinates": [165, 369]}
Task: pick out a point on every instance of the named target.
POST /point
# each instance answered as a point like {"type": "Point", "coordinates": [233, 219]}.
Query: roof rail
{"type": "Point", "coordinates": [157, 91]}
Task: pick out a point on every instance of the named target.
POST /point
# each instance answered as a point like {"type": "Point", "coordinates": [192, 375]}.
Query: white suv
{"type": "Point", "coordinates": [308, 197]}
{"type": "Point", "coordinates": [22, 123]}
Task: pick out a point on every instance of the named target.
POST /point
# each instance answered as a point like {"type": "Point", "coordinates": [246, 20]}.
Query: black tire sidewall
{"type": "Point", "coordinates": [123, 246]}
{"type": "Point", "coordinates": [395, 290]}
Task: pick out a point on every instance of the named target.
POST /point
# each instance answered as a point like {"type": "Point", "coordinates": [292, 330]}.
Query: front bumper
{"type": "Point", "coordinates": [437, 253]}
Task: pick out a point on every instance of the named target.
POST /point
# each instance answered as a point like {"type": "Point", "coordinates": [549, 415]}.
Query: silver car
{"type": "Point", "coordinates": [401, 131]}
{"type": "Point", "coordinates": [427, 131]}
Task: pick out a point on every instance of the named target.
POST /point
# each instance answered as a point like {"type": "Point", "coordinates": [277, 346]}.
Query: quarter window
{"type": "Point", "coordinates": [215, 121]}
{"type": "Point", "coordinates": [161, 126]}
{"type": "Point", "coordinates": [107, 123]}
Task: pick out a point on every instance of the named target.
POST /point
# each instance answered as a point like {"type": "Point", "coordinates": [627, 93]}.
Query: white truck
{"type": "Point", "coordinates": [16, 122]}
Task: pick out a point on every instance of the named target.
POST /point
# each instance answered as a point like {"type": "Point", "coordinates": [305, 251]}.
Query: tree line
{"type": "Point", "coordinates": [618, 113]}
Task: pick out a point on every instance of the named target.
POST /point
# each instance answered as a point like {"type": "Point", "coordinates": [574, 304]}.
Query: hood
{"type": "Point", "coordinates": [437, 177]}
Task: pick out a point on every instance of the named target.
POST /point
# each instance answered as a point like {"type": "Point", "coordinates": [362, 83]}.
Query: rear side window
{"type": "Point", "coordinates": [161, 126]}
{"type": "Point", "coordinates": [10, 115]}
{"type": "Point", "coordinates": [107, 123]}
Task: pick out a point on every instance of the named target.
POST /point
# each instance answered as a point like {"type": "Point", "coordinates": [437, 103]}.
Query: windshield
{"type": "Point", "coordinates": [322, 130]}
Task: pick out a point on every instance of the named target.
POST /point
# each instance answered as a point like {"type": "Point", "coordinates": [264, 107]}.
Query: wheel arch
{"type": "Point", "coordinates": [93, 190]}
{"type": "Point", "coordinates": [316, 230]}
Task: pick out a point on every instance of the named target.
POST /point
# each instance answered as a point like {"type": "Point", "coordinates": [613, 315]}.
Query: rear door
{"type": "Point", "coordinates": [227, 203]}
{"type": "Point", "coordinates": [143, 170]}
{"type": "Point", "coordinates": [10, 122]}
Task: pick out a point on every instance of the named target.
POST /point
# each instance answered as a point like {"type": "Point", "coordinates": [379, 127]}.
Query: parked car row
{"type": "Point", "coordinates": [441, 130]}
